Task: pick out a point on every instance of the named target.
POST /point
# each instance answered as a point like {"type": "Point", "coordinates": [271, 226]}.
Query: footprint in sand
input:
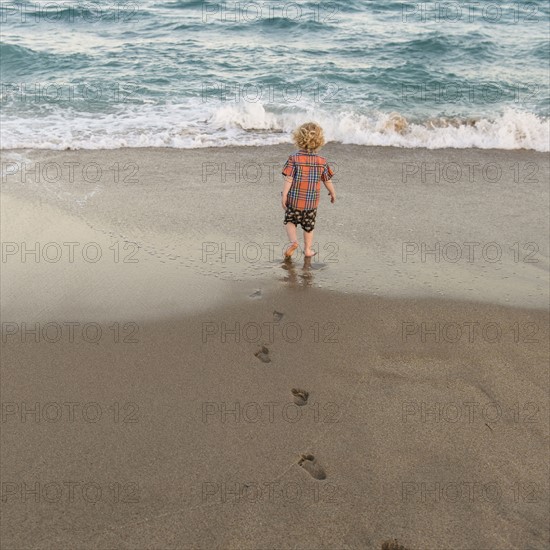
{"type": "Point", "coordinates": [300, 396]}
{"type": "Point", "coordinates": [277, 315]}
{"type": "Point", "coordinates": [256, 294]}
{"type": "Point", "coordinates": [263, 355]}
{"type": "Point", "coordinates": [311, 466]}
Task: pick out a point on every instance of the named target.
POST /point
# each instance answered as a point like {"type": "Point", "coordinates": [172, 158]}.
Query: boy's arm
{"type": "Point", "coordinates": [286, 189]}
{"type": "Point", "coordinates": [331, 191]}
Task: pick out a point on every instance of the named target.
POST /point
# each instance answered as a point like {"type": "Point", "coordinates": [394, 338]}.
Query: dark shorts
{"type": "Point", "coordinates": [305, 218]}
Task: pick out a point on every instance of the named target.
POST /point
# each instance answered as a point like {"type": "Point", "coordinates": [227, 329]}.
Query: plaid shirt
{"type": "Point", "coordinates": [307, 170]}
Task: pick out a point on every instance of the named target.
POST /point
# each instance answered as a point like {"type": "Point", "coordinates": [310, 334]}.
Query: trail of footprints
{"type": "Point", "coordinates": [307, 461]}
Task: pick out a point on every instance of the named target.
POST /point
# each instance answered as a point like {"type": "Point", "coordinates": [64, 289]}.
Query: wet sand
{"type": "Point", "coordinates": [146, 413]}
{"type": "Point", "coordinates": [462, 224]}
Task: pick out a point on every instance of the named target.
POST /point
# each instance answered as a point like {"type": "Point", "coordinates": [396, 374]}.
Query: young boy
{"type": "Point", "coordinates": [304, 171]}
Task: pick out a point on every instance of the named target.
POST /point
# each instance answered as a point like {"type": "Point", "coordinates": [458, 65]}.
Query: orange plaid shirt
{"type": "Point", "coordinates": [307, 170]}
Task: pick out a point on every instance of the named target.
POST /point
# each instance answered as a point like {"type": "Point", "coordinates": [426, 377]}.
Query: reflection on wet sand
{"type": "Point", "coordinates": [300, 274]}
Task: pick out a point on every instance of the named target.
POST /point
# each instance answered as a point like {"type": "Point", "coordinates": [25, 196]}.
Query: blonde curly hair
{"type": "Point", "coordinates": [309, 136]}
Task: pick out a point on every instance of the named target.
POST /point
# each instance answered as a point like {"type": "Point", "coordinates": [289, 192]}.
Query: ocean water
{"type": "Point", "coordinates": [189, 74]}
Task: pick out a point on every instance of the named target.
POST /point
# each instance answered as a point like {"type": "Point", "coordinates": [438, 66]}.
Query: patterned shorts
{"type": "Point", "coordinates": [305, 218]}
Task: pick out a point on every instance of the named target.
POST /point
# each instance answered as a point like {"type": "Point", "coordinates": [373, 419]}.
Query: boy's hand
{"type": "Point", "coordinates": [332, 196]}
{"type": "Point", "coordinates": [283, 202]}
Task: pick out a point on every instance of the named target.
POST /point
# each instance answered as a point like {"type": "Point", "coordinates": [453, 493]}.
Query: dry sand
{"type": "Point", "coordinates": [168, 430]}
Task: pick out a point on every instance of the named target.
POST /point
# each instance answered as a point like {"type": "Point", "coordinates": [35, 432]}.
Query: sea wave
{"type": "Point", "coordinates": [197, 125]}
{"type": "Point", "coordinates": [18, 61]}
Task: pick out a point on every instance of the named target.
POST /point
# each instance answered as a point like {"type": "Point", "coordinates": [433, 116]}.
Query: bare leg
{"type": "Point", "coordinates": [308, 241]}
{"type": "Point", "coordinates": [291, 232]}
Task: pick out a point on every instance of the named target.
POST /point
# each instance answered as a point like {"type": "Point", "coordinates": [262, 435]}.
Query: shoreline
{"type": "Point", "coordinates": [331, 145]}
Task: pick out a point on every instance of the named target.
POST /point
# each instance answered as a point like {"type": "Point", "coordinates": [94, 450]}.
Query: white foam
{"type": "Point", "coordinates": [197, 124]}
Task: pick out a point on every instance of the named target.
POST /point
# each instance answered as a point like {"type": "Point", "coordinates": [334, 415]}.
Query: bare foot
{"type": "Point", "coordinates": [308, 253]}
{"type": "Point", "coordinates": [291, 249]}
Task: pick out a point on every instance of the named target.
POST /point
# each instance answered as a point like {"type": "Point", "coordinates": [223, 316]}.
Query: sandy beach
{"type": "Point", "coordinates": [152, 338]}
